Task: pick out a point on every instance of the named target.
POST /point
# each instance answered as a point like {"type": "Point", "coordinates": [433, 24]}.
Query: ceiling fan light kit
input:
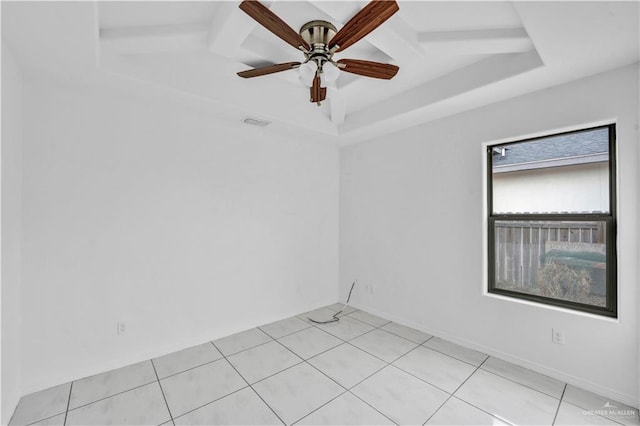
{"type": "Point", "coordinates": [319, 40]}
{"type": "Point", "coordinates": [308, 72]}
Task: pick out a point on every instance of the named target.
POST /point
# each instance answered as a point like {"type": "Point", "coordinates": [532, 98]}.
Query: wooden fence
{"type": "Point", "coordinates": [521, 246]}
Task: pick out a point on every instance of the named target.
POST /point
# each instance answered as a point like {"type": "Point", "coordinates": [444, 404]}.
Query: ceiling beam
{"type": "Point", "coordinates": [490, 41]}
{"type": "Point", "coordinates": [394, 37]}
{"type": "Point", "coordinates": [278, 102]}
{"type": "Point", "coordinates": [407, 109]}
{"type": "Point", "coordinates": [229, 27]}
{"type": "Point", "coordinates": [271, 50]}
{"type": "Point", "coordinates": [154, 39]}
{"type": "Point", "coordinates": [398, 40]}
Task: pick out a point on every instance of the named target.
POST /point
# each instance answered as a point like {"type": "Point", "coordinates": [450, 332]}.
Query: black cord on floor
{"type": "Point", "coordinates": [335, 317]}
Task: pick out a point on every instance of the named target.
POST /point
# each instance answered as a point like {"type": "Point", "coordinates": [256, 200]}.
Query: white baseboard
{"type": "Point", "coordinates": [547, 371]}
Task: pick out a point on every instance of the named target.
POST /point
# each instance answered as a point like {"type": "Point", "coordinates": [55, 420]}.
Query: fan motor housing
{"type": "Point", "coordinates": [318, 34]}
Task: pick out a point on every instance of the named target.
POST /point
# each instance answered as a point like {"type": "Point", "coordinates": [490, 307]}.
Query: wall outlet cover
{"type": "Point", "coordinates": [557, 336]}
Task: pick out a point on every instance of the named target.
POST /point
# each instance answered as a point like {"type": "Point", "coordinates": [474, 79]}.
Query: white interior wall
{"type": "Point", "coordinates": [185, 227]}
{"type": "Point", "coordinates": [11, 232]}
{"type": "Point", "coordinates": [412, 225]}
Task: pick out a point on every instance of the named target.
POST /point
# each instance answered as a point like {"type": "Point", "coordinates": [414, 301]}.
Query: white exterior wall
{"type": "Point", "coordinates": [578, 188]}
{"type": "Point", "coordinates": [413, 225]}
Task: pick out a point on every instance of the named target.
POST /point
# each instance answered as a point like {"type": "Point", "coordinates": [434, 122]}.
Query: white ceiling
{"type": "Point", "coordinates": [453, 56]}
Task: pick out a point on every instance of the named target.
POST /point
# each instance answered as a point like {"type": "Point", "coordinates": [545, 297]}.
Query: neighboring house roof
{"type": "Point", "coordinates": [569, 149]}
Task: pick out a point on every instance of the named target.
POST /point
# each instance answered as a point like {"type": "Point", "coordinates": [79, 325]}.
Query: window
{"type": "Point", "coordinates": [552, 226]}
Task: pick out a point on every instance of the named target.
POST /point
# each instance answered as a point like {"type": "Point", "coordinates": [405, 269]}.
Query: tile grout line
{"type": "Point", "coordinates": [190, 368]}
{"type": "Point", "coordinates": [245, 349]}
{"type": "Point", "coordinates": [455, 390]}
{"type": "Point", "coordinates": [320, 353]}
{"type": "Point", "coordinates": [555, 416]}
{"type": "Point", "coordinates": [392, 334]}
{"type": "Point", "coordinates": [270, 375]}
{"type": "Point", "coordinates": [470, 375]}
{"type": "Point", "coordinates": [162, 391]}
{"type": "Point", "coordinates": [449, 355]}
{"type": "Point", "coordinates": [346, 389]}
{"type": "Point", "coordinates": [350, 390]}
{"type": "Point", "coordinates": [381, 327]}
{"type": "Point", "coordinates": [211, 402]}
{"type": "Point", "coordinates": [483, 410]}
{"type": "Point", "coordinates": [288, 334]}
{"type": "Point", "coordinates": [406, 353]}
{"type": "Point", "coordinates": [421, 379]}
{"type": "Point", "coordinates": [522, 384]}
{"type": "Point", "coordinates": [374, 408]}
{"type": "Point", "coordinates": [111, 396]}
{"type": "Point", "coordinates": [387, 364]}
{"type": "Point", "coordinates": [343, 339]}
{"type": "Point", "coordinates": [431, 336]}
{"type": "Point", "coordinates": [366, 332]}
{"type": "Point", "coordinates": [330, 378]}
{"type": "Point", "coordinates": [377, 357]}
{"type": "Point", "coordinates": [48, 417]}
{"type": "Point", "coordinates": [273, 374]}
{"type": "Point", "coordinates": [311, 365]}
{"type": "Point", "coordinates": [468, 363]}
{"type": "Point", "coordinates": [412, 341]}
{"type": "Point", "coordinates": [364, 322]}
{"type": "Point", "coordinates": [475, 406]}
{"type": "Point", "coordinates": [249, 384]}
{"type": "Point", "coordinates": [391, 363]}
{"type": "Point", "coordinates": [66, 413]}
{"type": "Point", "coordinates": [426, 381]}
{"type": "Point", "coordinates": [325, 350]}
{"type": "Point", "coordinates": [316, 409]}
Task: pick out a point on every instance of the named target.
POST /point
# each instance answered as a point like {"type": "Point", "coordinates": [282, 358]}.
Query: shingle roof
{"type": "Point", "coordinates": [590, 142]}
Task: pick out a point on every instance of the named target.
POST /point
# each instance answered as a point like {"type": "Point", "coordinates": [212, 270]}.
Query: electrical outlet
{"type": "Point", "coordinates": [557, 336]}
{"type": "Point", "coordinates": [121, 328]}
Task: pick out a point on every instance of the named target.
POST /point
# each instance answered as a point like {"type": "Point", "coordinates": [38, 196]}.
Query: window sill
{"type": "Point", "coordinates": [553, 308]}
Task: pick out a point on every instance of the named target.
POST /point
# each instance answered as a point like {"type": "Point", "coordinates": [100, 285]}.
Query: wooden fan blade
{"type": "Point", "coordinates": [273, 23]}
{"type": "Point", "coordinates": [363, 22]}
{"type": "Point", "coordinates": [318, 94]}
{"type": "Point", "coordinates": [369, 68]}
{"type": "Point", "coordinates": [269, 69]}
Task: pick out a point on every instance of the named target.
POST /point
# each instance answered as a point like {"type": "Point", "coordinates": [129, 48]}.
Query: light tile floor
{"type": "Point", "coordinates": [362, 370]}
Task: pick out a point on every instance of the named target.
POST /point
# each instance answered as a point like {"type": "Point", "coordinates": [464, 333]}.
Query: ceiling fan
{"type": "Point", "coordinates": [319, 40]}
